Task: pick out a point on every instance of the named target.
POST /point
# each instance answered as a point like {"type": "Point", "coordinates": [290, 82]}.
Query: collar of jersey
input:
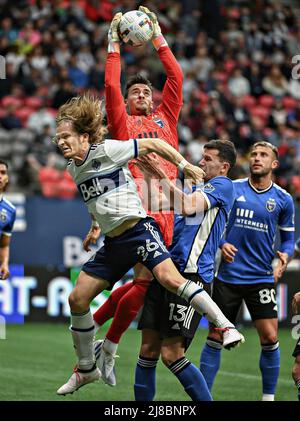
{"type": "Point", "coordinates": [260, 191]}
{"type": "Point", "coordinates": [1, 197]}
{"type": "Point", "coordinates": [86, 157]}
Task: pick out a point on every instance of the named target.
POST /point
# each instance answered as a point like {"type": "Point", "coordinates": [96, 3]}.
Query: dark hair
{"type": "Point", "coordinates": [138, 78]}
{"type": "Point", "coordinates": [226, 150]}
{"type": "Point", "coordinates": [4, 163]}
{"type": "Point", "coordinates": [266, 145]}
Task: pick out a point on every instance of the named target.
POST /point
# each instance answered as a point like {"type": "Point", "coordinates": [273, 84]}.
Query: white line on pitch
{"type": "Point", "coordinates": [251, 377]}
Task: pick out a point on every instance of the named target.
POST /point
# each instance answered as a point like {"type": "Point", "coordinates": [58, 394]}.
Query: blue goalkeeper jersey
{"type": "Point", "coordinates": [196, 238]}
{"type": "Point", "coordinates": [7, 216]}
{"type": "Point", "coordinates": [252, 227]}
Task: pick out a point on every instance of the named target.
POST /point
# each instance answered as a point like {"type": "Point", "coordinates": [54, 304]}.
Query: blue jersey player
{"type": "Point", "coordinates": [245, 272]}
{"type": "Point", "coordinates": [7, 219]}
{"type": "Point", "coordinates": [168, 324]}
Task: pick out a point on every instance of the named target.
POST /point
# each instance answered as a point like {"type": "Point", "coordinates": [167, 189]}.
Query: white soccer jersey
{"type": "Point", "coordinates": [106, 184]}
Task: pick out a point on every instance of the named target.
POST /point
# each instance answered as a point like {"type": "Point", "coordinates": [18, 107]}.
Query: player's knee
{"type": "Point", "coordinates": [168, 356]}
{"type": "Point", "coordinates": [296, 369]}
{"type": "Point", "coordinates": [77, 302]}
{"type": "Point", "coordinates": [269, 338]}
{"type": "Point", "coordinates": [168, 281]}
{"type": "Point", "coordinates": [150, 351]}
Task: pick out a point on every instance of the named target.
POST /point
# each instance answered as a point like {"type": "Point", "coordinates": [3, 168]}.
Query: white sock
{"type": "Point", "coordinates": [267, 397]}
{"type": "Point", "coordinates": [110, 346]}
{"type": "Point", "coordinates": [97, 327]}
{"type": "Point", "coordinates": [82, 329]}
{"type": "Point", "coordinates": [203, 304]}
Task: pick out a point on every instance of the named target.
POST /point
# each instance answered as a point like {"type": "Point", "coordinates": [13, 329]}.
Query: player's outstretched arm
{"type": "Point", "coordinates": [158, 40]}
{"type": "Point", "coordinates": [172, 92]}
{"type": "Point", "coordinates": [173, 197]}
{"type": "Point", "coordinates": [146, 146]}
{"type": "Point", "coordinates": [113, 35]}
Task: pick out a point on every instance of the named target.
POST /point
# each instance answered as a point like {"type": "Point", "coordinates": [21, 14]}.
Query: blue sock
{"type": "Point", "coordinates": [191, 379]}
{"type": "Point", "coordinates": [210, 361]}
{"type": "Point", "coordinates": [269, 366]}
{"type": "Point", "coordinates": [145, 378]}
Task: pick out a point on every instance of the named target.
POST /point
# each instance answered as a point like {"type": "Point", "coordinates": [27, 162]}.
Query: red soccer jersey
{"type": "Point", "coordinates": [161, 124]}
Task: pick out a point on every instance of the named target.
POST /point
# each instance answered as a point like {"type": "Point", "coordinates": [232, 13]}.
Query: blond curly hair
{"type": "Point", "coordinates": [86, 115]}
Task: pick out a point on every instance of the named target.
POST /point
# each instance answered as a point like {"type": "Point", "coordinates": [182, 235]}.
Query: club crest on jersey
{"type": "Point", "coordinates": [159, 122]}
{"type": "Point", "coordinates": [271, 205]}
{"type": "Point", "coordinates": [208, 187]}
{"type": "Point", "coordinates": [96, 164]}
{"type": "Point", "coordinates": [3, 215]}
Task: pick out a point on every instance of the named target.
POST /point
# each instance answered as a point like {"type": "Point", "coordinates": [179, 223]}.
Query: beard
{"type": "Point", "coordinates": [259, 173]}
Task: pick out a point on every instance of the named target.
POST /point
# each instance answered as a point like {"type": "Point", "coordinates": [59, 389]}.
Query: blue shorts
{"type": "Point", "coordinates": [141, 244]}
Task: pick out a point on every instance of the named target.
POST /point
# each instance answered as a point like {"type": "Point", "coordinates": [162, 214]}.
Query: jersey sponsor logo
{"type": "Point", "coordinates": [96, 164]}
{"type": "Point", "coordinates": [271, 205]}
{"type": "Point", "coordinates": [97, 186]}
{"type": "Point", "coordinates": [244, 213]}
{"type": "Point", "coordinates": [208, 187]}
{"type": "Point", "coordinates": [241, 199]}
{"type": "Point", "coordinates": [147, 134]}
{"type": "Point", "coordinates": [244, 219]}
{"type": "Point", "coordinates": [3, 215]}
{"type": "Point", "coordinates": [159, 122]}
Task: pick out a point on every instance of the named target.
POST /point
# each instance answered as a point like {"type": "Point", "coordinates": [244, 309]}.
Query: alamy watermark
{"type": "Point", "coordinates": [2, 68]}
{"type": "Point", "coordinates": [2, 327]}
{"type": "Point", "coordinates": [296, 69]}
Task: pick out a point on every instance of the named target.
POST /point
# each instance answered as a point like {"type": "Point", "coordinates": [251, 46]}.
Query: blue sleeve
{"type": "Point", "coordinates": [287, 242]}
{"type": "Point", "coordinates": [9, 227]}
{"type": "Point", "coordinates": [218, 191]}
{"type": "Point", "coordinates": [222, 241]}
{"type": "Point", "coordinates": [286, 220]}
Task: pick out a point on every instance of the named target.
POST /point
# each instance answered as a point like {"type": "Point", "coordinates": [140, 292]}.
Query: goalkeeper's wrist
{"type": "Point", "coordinates": [113, 46]}
{"type": "Point", "coordinates": [159, 41]}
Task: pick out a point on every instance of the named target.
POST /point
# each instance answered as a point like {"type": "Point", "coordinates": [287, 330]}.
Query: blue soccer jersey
{"type": "Point", "coordinates": [7, 217]}
{"type": "Point", "coordinates": [197, 238]}
{"type": "Point", "coordinates": [254, 219]}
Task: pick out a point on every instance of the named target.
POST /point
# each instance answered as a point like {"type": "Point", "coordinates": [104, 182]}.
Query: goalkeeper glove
{"type": "Point", "coordinates": [113, 35]}
{"type": "Point", "coordinates": [153, 18]}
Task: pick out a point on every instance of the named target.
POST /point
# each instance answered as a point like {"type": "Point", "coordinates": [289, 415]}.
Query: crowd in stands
{"type": "Point", "coordinates": [237, 62]}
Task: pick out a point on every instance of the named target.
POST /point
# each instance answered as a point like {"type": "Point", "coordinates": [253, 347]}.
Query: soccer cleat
{"type": "Point", "coordinates": [79, 379]}
{"type": "Point", "coordinates": [231, 337]}
{"type": "Point", "coordinates": [102, 363]}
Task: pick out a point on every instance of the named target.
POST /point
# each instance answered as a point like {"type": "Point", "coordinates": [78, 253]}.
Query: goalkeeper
{"type": "Point", "coordinates": [134, 117]}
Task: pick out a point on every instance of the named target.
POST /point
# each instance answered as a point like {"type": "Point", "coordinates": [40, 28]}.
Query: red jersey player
{"type": "Point", "coordinates": [135, 118]}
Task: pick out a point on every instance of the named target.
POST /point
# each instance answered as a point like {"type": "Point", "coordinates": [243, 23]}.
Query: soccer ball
{"type": "Point", "coordinates": [135, 28]}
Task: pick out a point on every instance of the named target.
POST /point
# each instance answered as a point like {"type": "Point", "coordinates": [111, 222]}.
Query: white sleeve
{"type": "Point", "coordinates": [121, 152]}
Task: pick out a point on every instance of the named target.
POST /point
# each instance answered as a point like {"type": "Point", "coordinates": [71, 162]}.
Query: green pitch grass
{"type": "Point", "coordinates": [36, 359]}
